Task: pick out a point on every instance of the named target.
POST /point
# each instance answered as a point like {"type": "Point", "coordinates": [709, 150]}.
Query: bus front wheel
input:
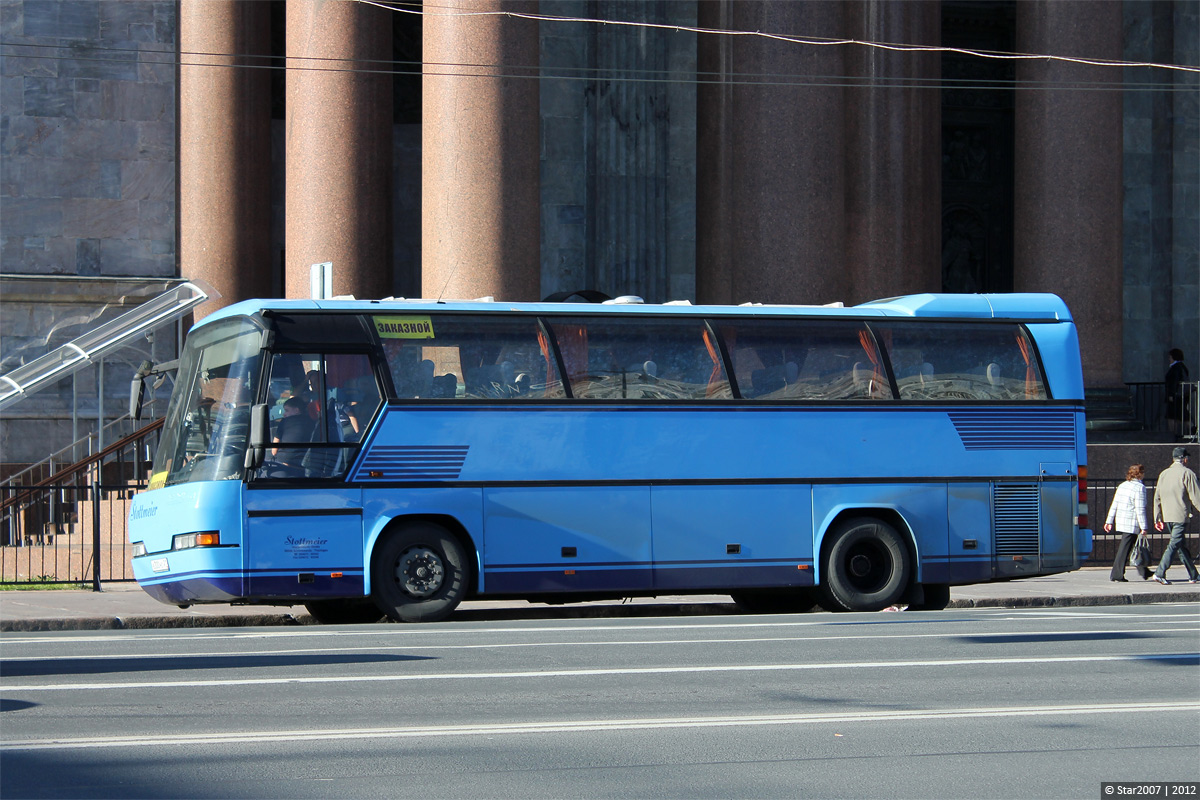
{"type": "Point", "coordinates": [867, 566]}
{"type": "Point", "coordinates": [419, 573]}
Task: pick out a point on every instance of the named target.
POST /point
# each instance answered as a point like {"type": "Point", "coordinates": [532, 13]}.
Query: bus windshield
{"type": "Point", "coordinates": [208, 420]}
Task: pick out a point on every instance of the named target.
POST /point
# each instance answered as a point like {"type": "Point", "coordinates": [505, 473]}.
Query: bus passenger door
{"type": "Point", "coordinates": [1058, 495]}
{"type": "Point", "coordinates": [304, 525]}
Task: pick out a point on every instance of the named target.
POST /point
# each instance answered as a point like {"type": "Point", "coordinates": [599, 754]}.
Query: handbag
{"type": "Point", "coordinates": [1140, 555]}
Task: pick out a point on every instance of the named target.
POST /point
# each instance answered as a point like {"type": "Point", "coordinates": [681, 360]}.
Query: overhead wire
{"type": "Point", "coordinates": [628, 75]}
{"type": "Point", "coordinates": [819, 41]}
{"type": "Point", "coordinates": [543, 72]}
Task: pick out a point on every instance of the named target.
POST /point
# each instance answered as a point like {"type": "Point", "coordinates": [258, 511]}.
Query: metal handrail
{"type": "Point", "coordinates": [84, 463]}
{"type": "Point", "coordinates": [49, 460]}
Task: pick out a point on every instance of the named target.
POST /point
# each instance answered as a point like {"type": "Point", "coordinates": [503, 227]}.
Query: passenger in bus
{"type": "Point", "coordinates": [347, 415]}
{"type": "Point", "coordinates": [791, 373]}
{"type": "Point", "coordinates": [295, 427]}
{"type": "Point", "coordinates": [444, 386]}
{"type": "Point", "coordinates": [425, 370]}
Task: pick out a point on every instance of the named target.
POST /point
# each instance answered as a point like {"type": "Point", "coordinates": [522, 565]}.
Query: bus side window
{"type": "Point", "coordinates": [960, 362]}
{"type": "Point", "coordinates": [636, 359]}
{"type": "Point", "coordinates": [321, 404]}
{"type": "Point", "coordinates": [802, 360]}
{"type": "Point", "coordinates": [469, 357]}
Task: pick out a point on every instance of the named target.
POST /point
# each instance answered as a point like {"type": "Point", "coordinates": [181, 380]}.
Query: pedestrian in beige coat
{"type": "Point", "coordinates": [1176, 487]}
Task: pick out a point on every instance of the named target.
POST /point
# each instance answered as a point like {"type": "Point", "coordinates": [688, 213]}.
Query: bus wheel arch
{"type": "Point", "coordinates": [868, 560]}
{"type": "Point", "coordinates": [421, 568]}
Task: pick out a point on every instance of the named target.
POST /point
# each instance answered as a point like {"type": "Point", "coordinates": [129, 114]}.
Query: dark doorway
{"type": "Point", "coordinates": [977, 147]}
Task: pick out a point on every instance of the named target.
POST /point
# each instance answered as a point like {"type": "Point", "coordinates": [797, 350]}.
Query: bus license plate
{"type": "Point", "coordinates": [159, 565]}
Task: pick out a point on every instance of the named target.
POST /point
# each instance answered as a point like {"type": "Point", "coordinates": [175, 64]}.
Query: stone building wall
{"type": "Point", "coordinates": [87, 195]}
{"type": "Point", "coordinates": [1162, 190]}
{"type": "Point", "coordinates": [87, 179]}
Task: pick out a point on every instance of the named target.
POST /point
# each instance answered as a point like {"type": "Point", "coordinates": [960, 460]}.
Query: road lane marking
{"type": "Point", "coordinates": [590, 726]}
{"type": "Point", "coordinates": [591, 673]}
{"type": "Point", "coordinates": [1049, 635]}
{"type": "Point", "coordinates": [838, 622]}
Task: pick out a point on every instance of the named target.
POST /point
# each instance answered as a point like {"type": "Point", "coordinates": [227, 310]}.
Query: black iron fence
{"type": "Point", "coordinates": [70, 528]}
{"type": "Point", "coordinates": [65, 533]}
{"type": "Point", "coordinates": [1181, 416]}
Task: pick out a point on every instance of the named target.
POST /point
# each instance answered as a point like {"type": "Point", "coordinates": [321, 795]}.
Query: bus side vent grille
{"type": "Point", "coordinates": [413, 462]}
{"type": "Point", "coordinates": [1017, 514]}
{"type": "Point", "coordinates": [1019, 429]}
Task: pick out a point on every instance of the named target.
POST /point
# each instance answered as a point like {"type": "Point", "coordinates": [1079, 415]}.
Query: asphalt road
{"type": "Point", "coordinates": [966, 703]}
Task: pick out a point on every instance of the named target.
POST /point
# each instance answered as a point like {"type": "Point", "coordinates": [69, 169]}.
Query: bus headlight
{"type": "Point", "coordinates": [139, 549]}
{"type": "Point", "coordinates": [185, 541]}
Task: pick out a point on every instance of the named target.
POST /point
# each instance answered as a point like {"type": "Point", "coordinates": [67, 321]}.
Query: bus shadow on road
{"type": "Point", "coordinates": [32, 667]}
{"type": "Point", "coordinates": [1027, 638]}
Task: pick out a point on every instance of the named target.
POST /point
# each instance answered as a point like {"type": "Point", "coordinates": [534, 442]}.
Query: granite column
{"type": "Point", "coordinates": [225, 148]}
{"type": "Point", "coordinates": [770, 204]}
{"type": "Point", "coordinates": [893, 151]}
{"type": "Point", "coordinates": [480, 196]}
{"type": "Point", "coordinates": [338, 144]}
{"type": "Point", "coordinates": [1067, 204]}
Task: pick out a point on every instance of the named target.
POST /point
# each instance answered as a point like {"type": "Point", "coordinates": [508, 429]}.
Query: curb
{"type": "Point", "coordinates": [1077, 602]}
{"type": "Point", "coordinates": [145, 623]}
{"type": "Point", "coordinates": [578, 612]}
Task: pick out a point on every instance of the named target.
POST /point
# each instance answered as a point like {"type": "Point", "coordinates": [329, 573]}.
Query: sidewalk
{"type": "Point", "coordinates": [125, 605]}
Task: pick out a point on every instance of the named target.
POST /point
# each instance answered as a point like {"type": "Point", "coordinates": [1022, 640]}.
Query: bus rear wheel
{"type": "Point", "coordinates": [419, 573]}
{"type": "Point", "coordinates": [775, 601]}
{"type": "Point", "coordinates": [344, 612]}
{"type": "Point", "coordinates": [867, 567]}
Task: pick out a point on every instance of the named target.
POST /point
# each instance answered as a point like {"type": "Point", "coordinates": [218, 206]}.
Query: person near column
{"type": "Point", "coordinates": [1176, 487]}
{"type": "Point", "coordinates": [1177, 393]}
{"type": "Point", "coordinates": [1128, 514]}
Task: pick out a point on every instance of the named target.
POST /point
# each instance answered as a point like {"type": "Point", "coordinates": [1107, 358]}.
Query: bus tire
{"type": "Point", "coordinates": [419, 573]}
{"type": "Point", "coordinates": [867, 566]}
{"type": "Point", "coordinates": [344, 611]}
{"type": "Point", "coordinates": [775, 601]}
{"type": "Point", "coordinates": [936, 597]}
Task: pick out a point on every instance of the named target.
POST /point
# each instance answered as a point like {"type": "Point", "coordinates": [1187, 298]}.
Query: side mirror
{"type": "Point", "coordinates": [260, 432]}
{"type": "Point", "coordinates": [137, 390]}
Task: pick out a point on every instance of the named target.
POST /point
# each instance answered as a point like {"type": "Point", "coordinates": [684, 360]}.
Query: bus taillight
{"type": "Point", "coordinates": [1083, 497]}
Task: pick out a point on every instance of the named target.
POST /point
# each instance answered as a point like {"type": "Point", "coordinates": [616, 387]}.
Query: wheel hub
{"type": "Point", "coordinates": [860, 566]}
{"type": "Point", "coordinates": [420, 571]}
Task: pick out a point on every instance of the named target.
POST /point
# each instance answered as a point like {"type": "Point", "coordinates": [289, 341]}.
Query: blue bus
{"type": "Point", "coordinates": [372, 458]}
